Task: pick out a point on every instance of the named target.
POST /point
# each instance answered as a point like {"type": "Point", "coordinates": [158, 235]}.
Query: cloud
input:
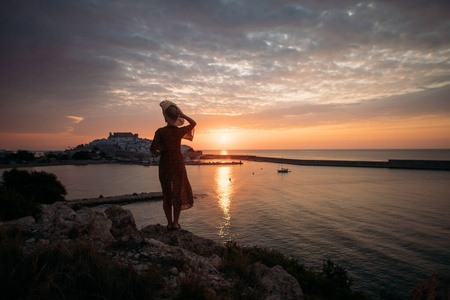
{"type": "Point", "coordinates": [242, 60]}
{"type": "Point", "coordinates": [76, 119]}
{"type": "Point", "coordinates": [430, 102]}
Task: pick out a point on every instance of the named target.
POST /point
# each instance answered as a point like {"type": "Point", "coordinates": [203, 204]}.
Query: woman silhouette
{"type": "Point", "coordinates": [177, 191]}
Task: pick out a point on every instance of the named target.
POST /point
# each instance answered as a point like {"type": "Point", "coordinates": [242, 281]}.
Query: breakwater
{"type": "Point", "coordinates": [114, 200]}
{"type": "Point", "coordinates": [391, 163]}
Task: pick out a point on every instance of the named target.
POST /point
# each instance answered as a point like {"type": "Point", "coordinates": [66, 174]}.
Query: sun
{"type": "Point", "coordinates": [224, 138]}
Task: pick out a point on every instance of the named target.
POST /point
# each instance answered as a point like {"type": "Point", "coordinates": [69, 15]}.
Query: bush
{"type": "Point", "coordinates": [21, 156]}
{"type": "Point", "coordinates": [332, 283]}
{"type": "Point", "coordinates": [81, 155]}
{"type": "Point", "coordinates": [337, 275]}
{"type": "Point", "coordinates": [40, 187]}
{"type": "Point", "coordinates": [14, 206]}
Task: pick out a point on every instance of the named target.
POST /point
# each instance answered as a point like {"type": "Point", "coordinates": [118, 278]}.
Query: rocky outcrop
{"type": "Point", "coordinates": [59, 221]}
{"type": "Point", "coordinates": [123, 223]}
{"type": "Point", "coordinates": [184, 257]}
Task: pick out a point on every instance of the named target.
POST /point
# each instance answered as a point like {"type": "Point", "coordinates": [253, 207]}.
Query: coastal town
{"type": "Point", "coordinates": [118, 146]}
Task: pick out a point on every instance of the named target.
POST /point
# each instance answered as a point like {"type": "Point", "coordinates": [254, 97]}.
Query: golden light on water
{"type": "Point", "coordinates": [225, 191]}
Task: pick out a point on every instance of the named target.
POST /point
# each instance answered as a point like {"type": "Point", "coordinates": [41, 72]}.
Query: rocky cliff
{"type": "Point", "coordinates": [179, 256]}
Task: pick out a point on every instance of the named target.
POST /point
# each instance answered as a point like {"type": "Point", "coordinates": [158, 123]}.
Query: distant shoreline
{"type": "Point", "coordinates": [93, 162]}
{"type": "Point", "coordinates": [391, 163]}
{"type": "Point", "coordinates": [59, 163]}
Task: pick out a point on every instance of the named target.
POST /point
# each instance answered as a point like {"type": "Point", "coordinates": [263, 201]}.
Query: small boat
{"type": "Point", "coordinates": [283, 170]}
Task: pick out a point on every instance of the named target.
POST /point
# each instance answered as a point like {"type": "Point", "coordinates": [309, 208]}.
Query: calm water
{"type": "Point", "coordinates": [389, 228]}
{"type": "Point", "coordinates": [364, 155]}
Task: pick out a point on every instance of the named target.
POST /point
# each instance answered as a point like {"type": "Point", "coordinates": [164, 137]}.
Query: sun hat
{"type": "Point", "coordinates": [170, 118]}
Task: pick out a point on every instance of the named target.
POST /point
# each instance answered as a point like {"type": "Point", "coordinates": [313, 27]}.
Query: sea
{"type": "Point", "coordinates": [389, 228]}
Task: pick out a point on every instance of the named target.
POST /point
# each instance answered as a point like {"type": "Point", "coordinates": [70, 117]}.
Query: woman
{"type": "Point", "coordinates": [177, 191]}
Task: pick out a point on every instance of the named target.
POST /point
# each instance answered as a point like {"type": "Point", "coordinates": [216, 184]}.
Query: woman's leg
{"type": "Point", "coordinates": [176, 216]}
{"type": "Point", "coordinates": [168, 212]}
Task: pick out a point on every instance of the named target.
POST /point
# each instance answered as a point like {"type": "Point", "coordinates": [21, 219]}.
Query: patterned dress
{"type": "Point", "coordinates": [175, 185]}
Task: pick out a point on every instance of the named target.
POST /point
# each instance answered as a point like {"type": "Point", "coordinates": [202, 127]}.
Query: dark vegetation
{"type": "Point", "coordinates": [75, 271]}
{"type": "Point", "coordinates": [332, 282]}
{"type": "Point", "coordinates": [20, 156]}
{"type": "Point", "coordinates": [78, 271]}
{"type": "Point", "coordinates": [22, 192]}
{"type": "Point", "coordinates": [77, 154]}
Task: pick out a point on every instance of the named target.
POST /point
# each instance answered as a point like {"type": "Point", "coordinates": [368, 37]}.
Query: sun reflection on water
{"type": "Point", "coordinates": [224, 190]}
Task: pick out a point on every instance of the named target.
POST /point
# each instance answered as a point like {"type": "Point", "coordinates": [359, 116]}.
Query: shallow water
{"type": "Point", "coordinates": [388, 228]}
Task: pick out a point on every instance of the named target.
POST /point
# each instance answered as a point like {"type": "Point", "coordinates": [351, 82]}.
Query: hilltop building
{"type": "Point", "coordinates": [124, 141]}
{"type": "Point", "coordinates": [128, 146]}
{"type": "Point", "coordinates": [123, 135]}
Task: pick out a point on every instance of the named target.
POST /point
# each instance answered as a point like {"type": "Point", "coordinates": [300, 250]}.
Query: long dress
{"type": "Point", "coordinates": [175, 185]}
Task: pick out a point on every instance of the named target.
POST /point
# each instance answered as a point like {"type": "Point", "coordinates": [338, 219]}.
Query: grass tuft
{"type": "Point", "coordinates": [75, 271]}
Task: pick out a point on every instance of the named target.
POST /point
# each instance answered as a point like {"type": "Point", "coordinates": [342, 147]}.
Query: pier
{"type": "Point", "coordinates": [391, 163]}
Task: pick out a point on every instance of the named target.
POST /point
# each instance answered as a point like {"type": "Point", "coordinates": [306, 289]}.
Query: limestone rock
{"type": "Point", "coordinates": [24, 224]}
{"type": "Point", "coordinates": [184, 239]}
{"type": "Point", "coordinates": [436, 288]}
{"type": "Point", "coordinates": [275, 283]}
{"type": "Point", "coordinates": [122, 221]}
{"type": "Point", "coordinates": [179, 255]}
{"type": "Point", "coordinates": [215, 260]}
{"type": "Point", "coordinates": [59, 221]}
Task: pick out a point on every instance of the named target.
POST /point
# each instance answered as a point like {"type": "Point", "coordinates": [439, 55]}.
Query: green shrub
{"type": "Point", "coordinates": [40, 187]}
{"type": "Point", "coordinates": [336, 274]}
{"type": "Point", "coordinates": [21, 156]}
{"type": "Point", "coordinates": [81, 155]}
{"type": "Point", "coordinates": [14, 206]}
{"type": "Point", "coordinates": [332, 283]}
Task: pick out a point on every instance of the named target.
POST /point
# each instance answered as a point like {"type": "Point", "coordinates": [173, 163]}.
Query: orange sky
{"type": "Point", "coordinates": [328, 75]}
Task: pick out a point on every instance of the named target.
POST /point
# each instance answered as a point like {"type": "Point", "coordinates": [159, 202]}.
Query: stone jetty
{"type": "Point", "coordinates": [114, 200]}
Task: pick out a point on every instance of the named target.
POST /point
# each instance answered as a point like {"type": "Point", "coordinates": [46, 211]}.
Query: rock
{"type": "Point", "coordinates": [93, 225]}
{"type": "Point", "coordinates": [275, 283]}
{"type": "Point", "coordinates": [141, 268]}
{"type": "Point", "coordinates": [59, 221]}
{"type": "Point", "coordinates": [215, 260]}
{"type": "Point", "coordinates": [173, 271]}
{"type": "Point", "coordinates": [24, 224]}
{"type": "Point", "coordinates": [154, 242]}
{"type": "Point", "coordinates": [437, 287]}
{"type": "Point", "coordinates": [183, 238]}
{"type": "Point", "coordinates": [122, 221]}
{"type": "Point", "coordinates": [57, 217]}
{"type": "Point", "coordinates": [179, 254]}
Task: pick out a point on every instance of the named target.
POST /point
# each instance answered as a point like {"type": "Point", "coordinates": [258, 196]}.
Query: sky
{"type": "Point", "coordinates": [256, 74]}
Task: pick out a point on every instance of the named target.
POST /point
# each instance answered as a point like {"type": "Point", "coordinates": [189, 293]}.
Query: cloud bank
{"type": "Point", "coordinates": [259, 64]}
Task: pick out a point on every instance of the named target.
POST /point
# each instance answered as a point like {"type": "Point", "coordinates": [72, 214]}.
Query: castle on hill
{"type": "Point", "coordinates": [128, 145]}
{"type": "Point", "coordinates": [124, 141]}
